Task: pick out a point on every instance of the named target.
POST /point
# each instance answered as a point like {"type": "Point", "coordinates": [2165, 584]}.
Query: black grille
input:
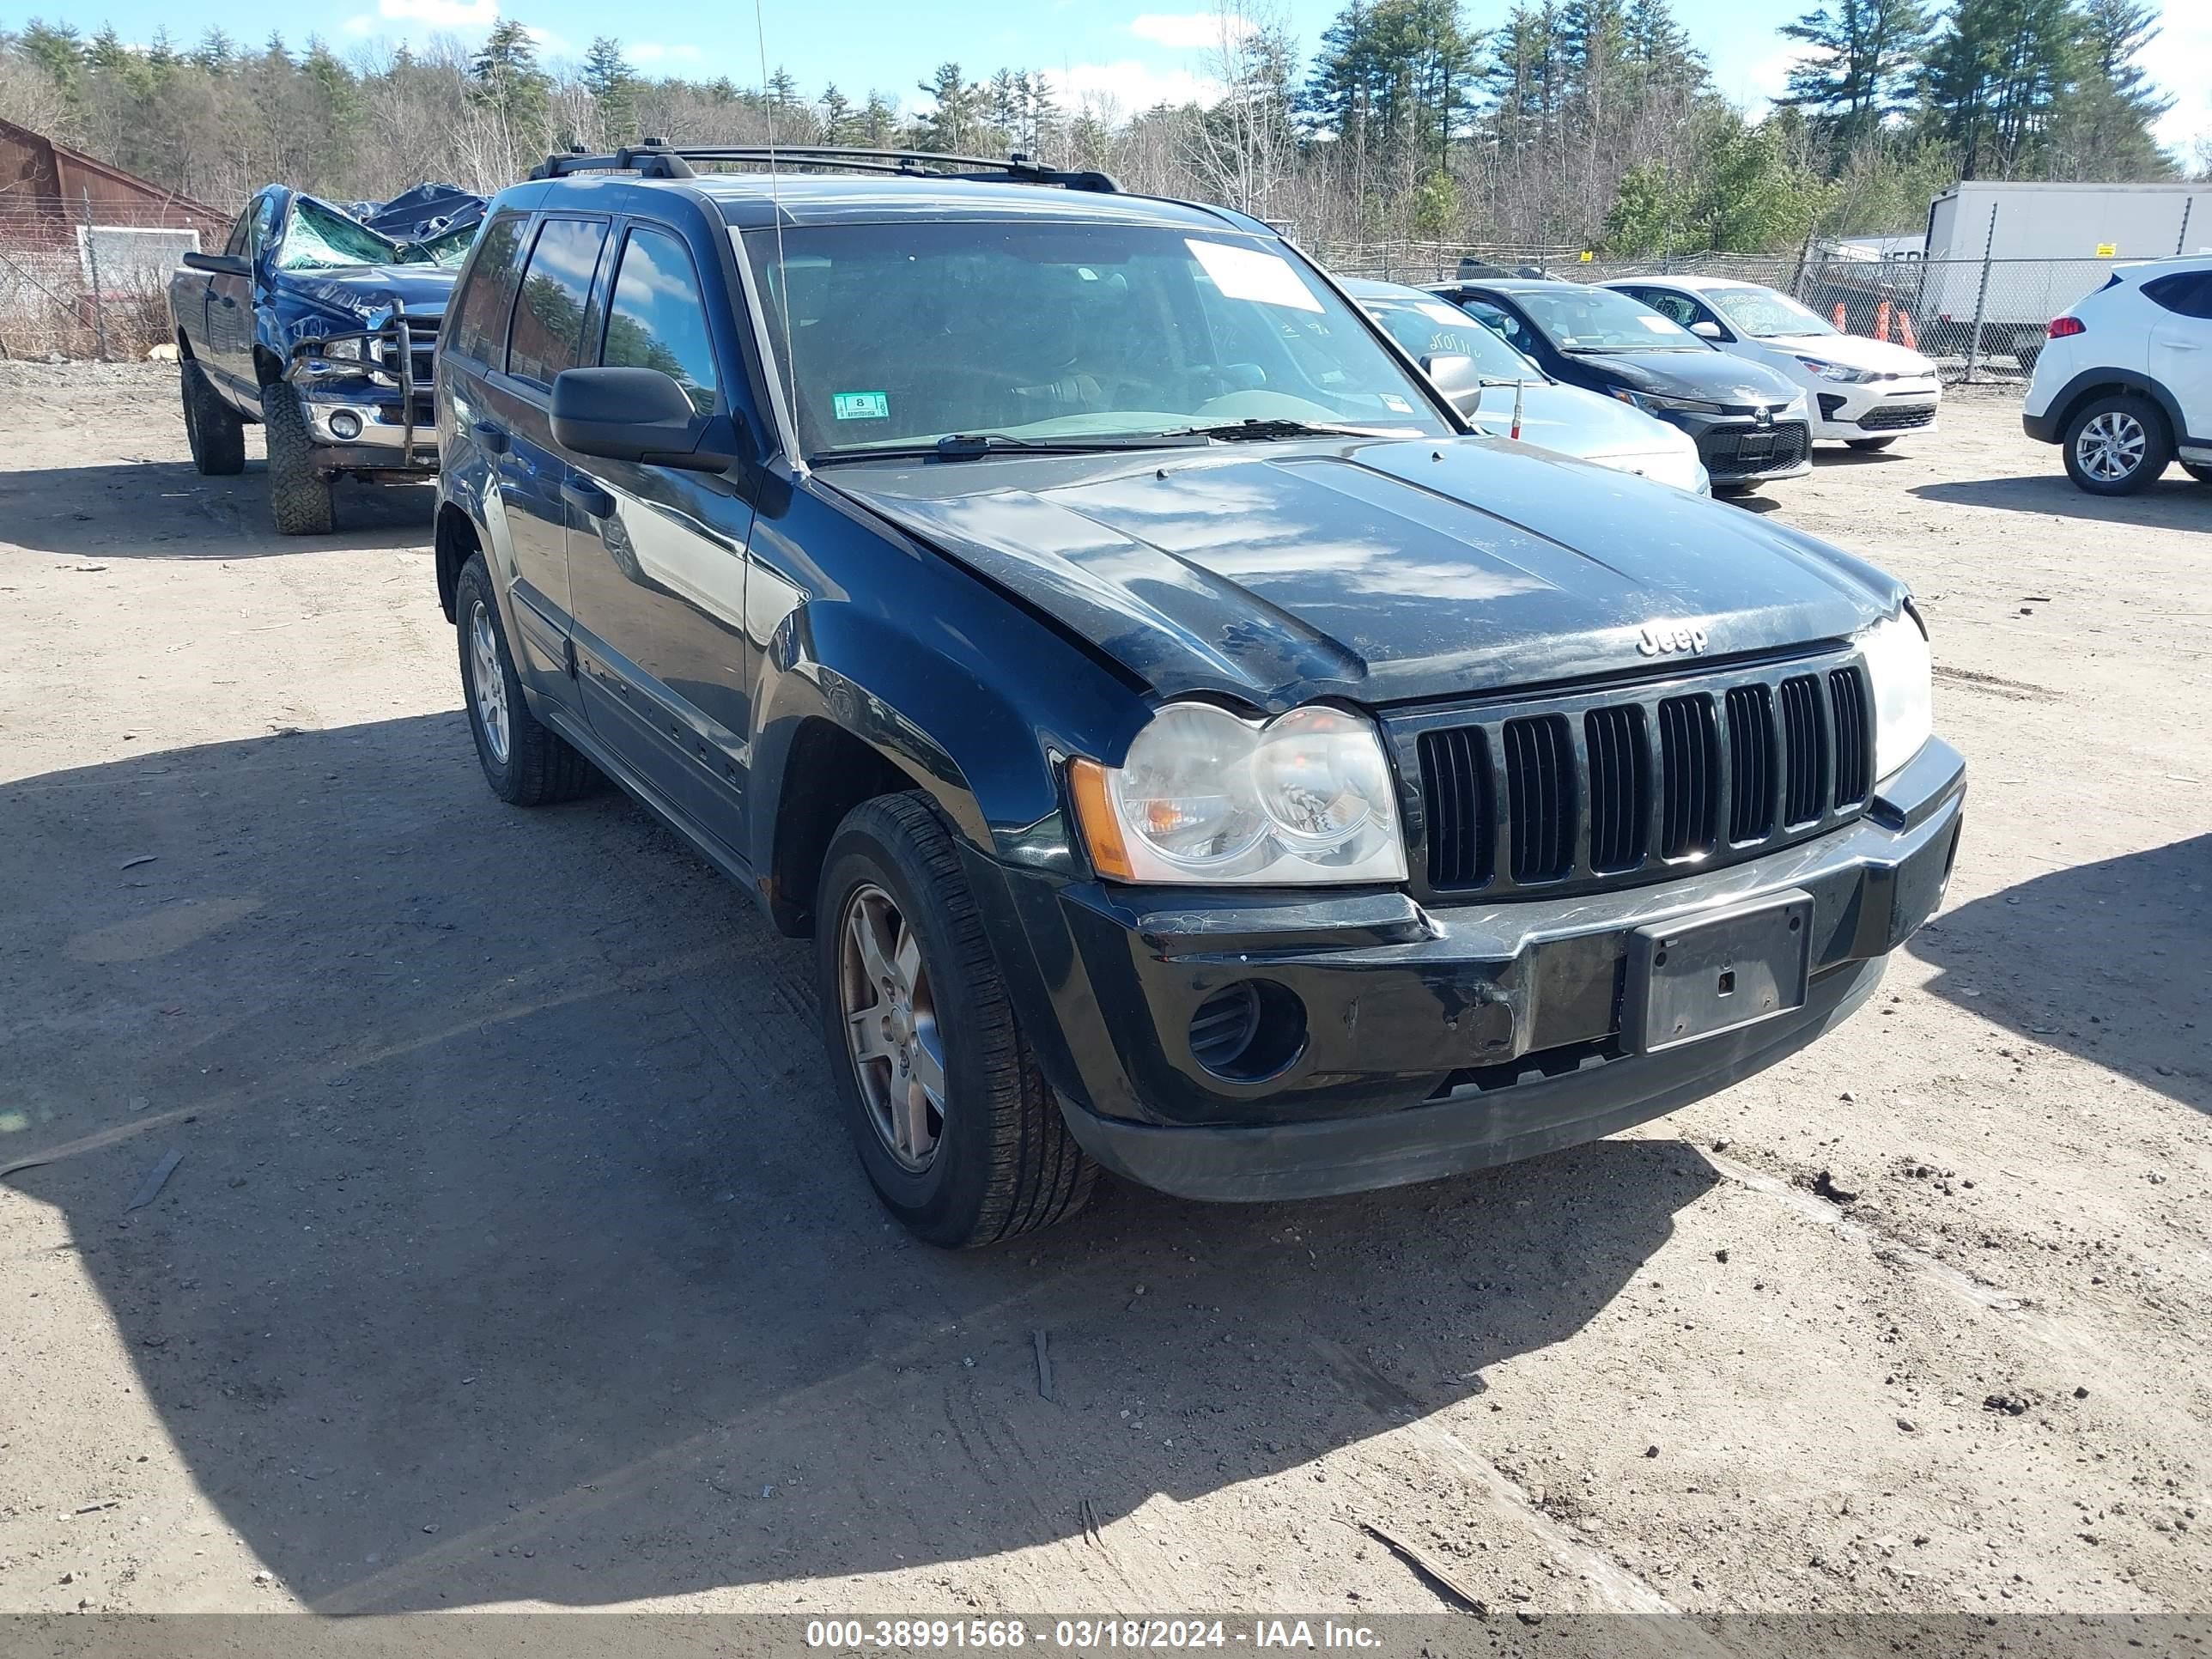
{"type": "Point", "coordinates": [1804, 740]}
{"type": "Point", "coordinates": [1606, 788]}
{"type": "Point", "coordinates": [1751, 763]}
{"type": "Point", "coordinates": [1455, 784]}
{"type": "Point", "coordinates": [1540, 797]}
{"type": "Point", "coordinates": [1738, 452]}
{"type": "Point", "coordinates": [1903, 418]}
{"type": "Point", "coordinates": [1620, 786]}
{"type": "Point", "coordinates": [1854, 736]}
{"type": "Point", "coordinates": [1690, 763]}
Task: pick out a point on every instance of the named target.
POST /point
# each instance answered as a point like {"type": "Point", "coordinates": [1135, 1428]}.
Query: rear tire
{"type": "Point", "coordinates": [2117, 444]}
{"type": "Point", "coordinates": [525, 762]}
{"type": "Point", "coordinates": [999, 1160]}
{"type": "Point", "coordinates": [1868, 444]}
{"type": "Point", "coordinates": [2199, 471]}
{"type": "Point", "coordinates": [215, 431]}
{"type": "Point", "coordinates": [299, 496]}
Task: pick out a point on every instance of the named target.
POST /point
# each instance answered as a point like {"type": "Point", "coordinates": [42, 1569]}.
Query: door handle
{"type": "Point", "coordinates": [491, 435]}
{"type": "Point", "coordinates": [227, 301]}
{"type": "Point", "coordinates": [587, 497]}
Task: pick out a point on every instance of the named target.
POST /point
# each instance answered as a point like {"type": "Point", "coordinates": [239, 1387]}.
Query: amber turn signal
{"type": "Point", "coordinates": [1094, 813]}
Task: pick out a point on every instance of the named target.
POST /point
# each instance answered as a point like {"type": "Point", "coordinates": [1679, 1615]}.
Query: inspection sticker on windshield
{"type": "Point", "coordinates": [861, 405]}
{"type": "Point", "coordinates": [1396, 404]}
{"type": "Point", "coordinates": [1249, 273]}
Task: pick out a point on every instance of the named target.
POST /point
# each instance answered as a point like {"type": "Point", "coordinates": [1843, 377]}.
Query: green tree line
{"type": "Point", "coordinates": [1561, 124]}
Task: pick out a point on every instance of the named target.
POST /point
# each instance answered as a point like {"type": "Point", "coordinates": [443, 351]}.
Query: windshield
{"type": "Point", "coordinates": [1600, 319]}
{"type": "Point", "coordinates": [900, 334]}
{"type": "Point", "coordinates": [1764, 314]}
{"type": "Point", "coordinates": [321, 238]}
{"type": "Point", "coordinates": [1432, 328]}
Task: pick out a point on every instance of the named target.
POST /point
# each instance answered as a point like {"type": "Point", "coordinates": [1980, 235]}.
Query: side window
{"type": "Point", "coordinates": [1500, 322]}
{"type": "Point", "coordinates": [548, 315]}
{"type": "Point", "coordinates": [487, 296]}
{"type": "Point", "coordinates": [658, 317]}
{"type": "Point", "coordinates": [263, 230]}
{"type": "Point", "coordinates": [242, 230]}
{"type": "Point", "coordinates": [1674, 307]}
{"type": "Point", "coordinates": [2186, 293]}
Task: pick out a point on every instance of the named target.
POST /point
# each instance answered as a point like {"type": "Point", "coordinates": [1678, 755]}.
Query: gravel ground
{"type": "Point", "coordinates": [515, 1257]}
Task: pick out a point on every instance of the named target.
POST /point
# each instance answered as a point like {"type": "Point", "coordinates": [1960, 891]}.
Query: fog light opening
{"type": "Point", "coordinates": [1248, 1031]}
{"type": "Point", "coordinates": [345, 425]}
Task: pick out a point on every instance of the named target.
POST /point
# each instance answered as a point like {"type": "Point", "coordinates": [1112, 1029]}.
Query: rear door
{"type": "Point", "coordinates": [552, 319]}
{"type": "Point", "coordinates": [657, 555]}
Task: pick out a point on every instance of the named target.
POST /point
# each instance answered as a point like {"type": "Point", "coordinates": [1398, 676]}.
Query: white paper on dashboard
{"type": "Point", "coordinates": [1248, 273]}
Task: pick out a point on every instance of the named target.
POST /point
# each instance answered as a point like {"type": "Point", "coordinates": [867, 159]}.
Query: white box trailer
{"type": "Point", "coordinates": [2015, 255]}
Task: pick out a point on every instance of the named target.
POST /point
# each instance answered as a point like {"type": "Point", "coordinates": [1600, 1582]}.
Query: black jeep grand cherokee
{"type": "Point", "coordinates": [1191, 752]}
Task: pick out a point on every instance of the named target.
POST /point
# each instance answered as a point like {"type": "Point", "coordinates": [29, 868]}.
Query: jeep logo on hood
{"type": "Point", "coordinates": [1665, 638]}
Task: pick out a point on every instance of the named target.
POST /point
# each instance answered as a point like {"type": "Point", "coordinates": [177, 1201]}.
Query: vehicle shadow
{"type": "Point", "coordinates": [2176, 501]}
{"type": "Point", "coordinates": [164, 509]}
{"type": "Point", "coordinates": [2095, 959]}
{"type": "Point", "coordinates": [516, 1251]}
{"type": "Point", "coordinates": [1826, 455]}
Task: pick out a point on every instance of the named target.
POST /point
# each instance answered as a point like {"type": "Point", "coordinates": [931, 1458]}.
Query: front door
{"type": "Point", "coordinates": [230, 304]}
{"type": "Point", "coordinates": [657, 559]}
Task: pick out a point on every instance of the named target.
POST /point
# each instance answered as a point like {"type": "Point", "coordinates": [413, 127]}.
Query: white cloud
{"type": "Point", "coordinates": [1131, 87]}
{"type": "Point", "coordinates": [2180, 61]}
{"type": "Point", "coordinates": [441, 13]}
{"type": "Point", "coordinates": [655, 52]}
{"type": "Point", "coordinates": [1190, 31]}
{"type": "Point", "coordinates": [552, 45]}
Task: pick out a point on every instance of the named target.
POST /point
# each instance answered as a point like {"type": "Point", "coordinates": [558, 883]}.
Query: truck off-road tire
{"type": "Point", "coordinates": [215, 430]}
{"type": "Point", "coordinates": [299, 496]}
{"type": "Point", "coordinates": [525, 762]}
{"type": "Point", "coordinates": [2116, 443]}
{"type": "Point", "coordinates": [956, 1126]}
{"type": "Point", "coordinates": [1868, 444]}
{"type": "Point", "coordinates": [2198, 470]}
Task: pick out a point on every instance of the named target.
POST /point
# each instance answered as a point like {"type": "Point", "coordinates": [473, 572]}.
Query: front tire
{"type": "Point", "coordinates": [1868, 444]}
{"type": "Point", "coordinates": [214, 431]}
{"type": "Point", "coordinates": [525, 762]}
{"type": "Point", "coordinates": [2117, 444]}
{"type": "Point", "coordinates": [960, 1134]}
{"type": "Point", "coordinates": [299, 496]}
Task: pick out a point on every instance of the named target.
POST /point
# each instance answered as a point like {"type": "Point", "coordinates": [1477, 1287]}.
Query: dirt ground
{"type": "Point", "coordinates": [515, 1256]}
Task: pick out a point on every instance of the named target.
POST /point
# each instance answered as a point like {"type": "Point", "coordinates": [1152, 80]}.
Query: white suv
{"type": "Point", "coordinates": [1866, 393]}
{"type": "Point", "coordinates": [2125, 381]}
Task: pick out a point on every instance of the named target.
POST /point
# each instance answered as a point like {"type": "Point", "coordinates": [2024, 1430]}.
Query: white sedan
{"type": "Point", "coordinates": [1863, 392]}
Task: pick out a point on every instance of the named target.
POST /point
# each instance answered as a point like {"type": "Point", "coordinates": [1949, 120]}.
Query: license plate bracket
{"type": "Point", "coordinates": [1755, 447]}
{"type": "Point", "coordinates": [1716, 970]}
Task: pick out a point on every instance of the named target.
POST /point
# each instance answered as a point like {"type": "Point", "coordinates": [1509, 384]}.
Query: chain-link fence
{"type": "Point", "coordinates": [88, 279]}
{"type": "Point", "coordinates": [1982, 320]}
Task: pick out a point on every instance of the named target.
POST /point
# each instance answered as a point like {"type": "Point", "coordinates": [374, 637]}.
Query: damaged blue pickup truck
{"type": "Point", "coordinates": [320, 323]}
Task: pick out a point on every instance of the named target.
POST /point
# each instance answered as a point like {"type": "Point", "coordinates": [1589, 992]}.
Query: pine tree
{"type": "Point", "coordinates": [950, 127]}
{"type": "Point", "coordinates": [1996, 76]}
{"type": "Point", "coordinates": [1859, 71]}
{"type": "Point", "coordinates": [215, 52]}
{"type": "Point", "coordinates": [613, 86]}
{"type": "Point", "coordinates": [508, 81]}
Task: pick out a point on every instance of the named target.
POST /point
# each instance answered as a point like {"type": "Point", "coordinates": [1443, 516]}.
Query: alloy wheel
{"type": "Point", "coordinates": [490, 681]}
{"type": "Point", "coordinates": [2111, 446]}
{"type": "Point", "coordinates": [889, 1014]}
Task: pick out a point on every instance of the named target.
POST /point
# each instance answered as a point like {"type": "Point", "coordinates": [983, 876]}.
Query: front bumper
{"type": "Point", "coordinates": [1885, 408]}
{"type": "Point", "coordinates": [382, 439]}
{"type": "Point", "coordinates": [1736, 450]}
{"type": "Point", "coordinates": [1434, 1041]}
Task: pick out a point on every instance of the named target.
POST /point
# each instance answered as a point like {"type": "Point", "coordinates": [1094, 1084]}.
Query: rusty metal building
{"type": "Point", "coordinates": [48, 189]}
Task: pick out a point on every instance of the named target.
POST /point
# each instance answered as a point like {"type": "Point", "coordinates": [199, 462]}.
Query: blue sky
{"type": "Point", "coordinates": [1132, 50]}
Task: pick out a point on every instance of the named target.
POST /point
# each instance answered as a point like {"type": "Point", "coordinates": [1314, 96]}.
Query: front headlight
{"type": "Point", "coordinates": [1205, 797]}
{"type": "Point", "coordinates": [1652, 404]}
{"type": "Point", "coordinates": [1901, 674]}
{"type": "Point", "coordinates": [1841, 373]}
{"type": "Point", "coordinates": [346, 350]}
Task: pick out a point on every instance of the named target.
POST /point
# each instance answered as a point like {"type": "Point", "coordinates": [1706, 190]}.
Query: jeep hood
{"type": "Point", "coordinates": [1379, 571]}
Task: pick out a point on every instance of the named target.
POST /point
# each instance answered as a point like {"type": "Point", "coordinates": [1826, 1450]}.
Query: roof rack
{"type": "Point", "coordinates": [656, 158]}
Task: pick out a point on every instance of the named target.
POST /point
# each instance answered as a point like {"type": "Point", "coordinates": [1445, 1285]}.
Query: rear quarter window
{"type": "Point", "coordinates": [486, 291]}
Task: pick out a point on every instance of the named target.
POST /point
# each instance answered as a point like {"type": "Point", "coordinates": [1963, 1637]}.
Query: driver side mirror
{"type": "Point", "coordinates": [1454, 373]}
{"type": "Point", "coordinates": [218, 264]}
{"type": "Point", "coordinates": [1707, 330]}
{"type": "Point", "coordinates": [639, 415]}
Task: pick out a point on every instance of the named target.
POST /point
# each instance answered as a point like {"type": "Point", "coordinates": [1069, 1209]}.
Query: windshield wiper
{"type": "Point", "coordinates": [973, 446]}
{"type": "Point", "coordinates": [1260, 431]}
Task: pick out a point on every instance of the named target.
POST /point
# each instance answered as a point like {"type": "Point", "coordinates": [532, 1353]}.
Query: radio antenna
{"type": "Point", "coordinates": [775, 202]}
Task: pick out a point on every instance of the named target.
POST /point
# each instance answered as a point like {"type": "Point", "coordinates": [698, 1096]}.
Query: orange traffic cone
{"type": "Point", "coordinates": [1841, 326]}
{"type": "Point", "coordinates": [1905, 330]}
{"type": "Point", "coordinates": [1882, 321]}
